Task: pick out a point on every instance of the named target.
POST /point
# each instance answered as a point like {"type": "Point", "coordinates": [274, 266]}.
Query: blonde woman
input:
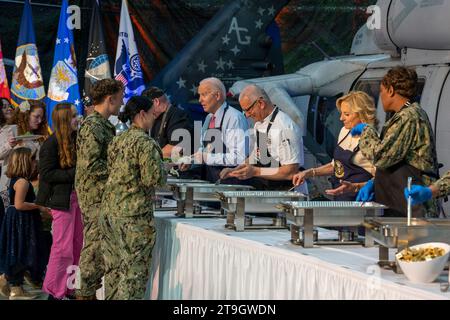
{"type": "Point", "coordinates": [349, 169]}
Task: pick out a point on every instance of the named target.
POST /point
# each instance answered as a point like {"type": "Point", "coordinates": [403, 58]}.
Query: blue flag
{"type": "Point", "coordinates": [63, 85]}
{"type": "Point", "coordinates": [27, 82]}
{"type": "Point", "coordinates": [128, 66]}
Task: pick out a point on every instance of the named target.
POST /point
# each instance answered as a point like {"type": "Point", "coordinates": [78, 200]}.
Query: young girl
{"type": "Point", "coordinates": [56, 190]}
{"type": "Point", "coordinates": [21, 230]}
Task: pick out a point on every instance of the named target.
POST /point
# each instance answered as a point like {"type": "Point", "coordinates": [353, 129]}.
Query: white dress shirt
{"type": "Point", "coordinates": [285, 142]}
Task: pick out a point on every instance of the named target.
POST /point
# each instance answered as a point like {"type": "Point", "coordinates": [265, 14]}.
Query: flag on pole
{"type": "Point", "coordinates": [63, 85]}
{"type": "Point", "coordinates": [27, 82]}
{"type": "Point", "coordinates": [4, 89]}
{"type": "Point", "coordinates": [128, 66]}
{"type": "Point", "coordinates": [97, 63]}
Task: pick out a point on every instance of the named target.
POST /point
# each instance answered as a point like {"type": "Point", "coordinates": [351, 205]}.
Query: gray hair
{"type": "Point", "coordinates": [217, 84]}
{"type": "Point", "coordinates": [253, 92]}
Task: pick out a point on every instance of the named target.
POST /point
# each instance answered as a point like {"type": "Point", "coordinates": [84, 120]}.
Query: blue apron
{"type": "Point", "coordinates": [345, 169]}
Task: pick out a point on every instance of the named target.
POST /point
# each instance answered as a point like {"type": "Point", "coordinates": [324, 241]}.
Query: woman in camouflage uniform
{"type": "Point", "coordinates": [405, 148]}
{"type": "Point", "coordinates": [135, 169]}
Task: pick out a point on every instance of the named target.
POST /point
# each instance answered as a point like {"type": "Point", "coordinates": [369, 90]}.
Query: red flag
{"type": "Point", "coordinates": [4, 89]}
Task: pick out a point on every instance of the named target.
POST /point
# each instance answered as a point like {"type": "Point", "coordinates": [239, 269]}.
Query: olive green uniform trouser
{"type": "Point", "coordinates": [91, 261]}
{"type": "Point", "coordinates": [127, 250]}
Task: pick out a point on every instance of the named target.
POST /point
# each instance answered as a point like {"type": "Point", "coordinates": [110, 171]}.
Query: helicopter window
{"type": "Point", "coordinates": [371, 87]}
{"type": "Point", "coordinates": [323, 122]}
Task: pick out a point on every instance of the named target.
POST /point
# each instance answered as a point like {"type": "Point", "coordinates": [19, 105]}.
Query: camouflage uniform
{"type": "Point", "coordinates": [135, 168]}
{"type": "Point", "coordinates": [93, 139]}
{"type": "Point", "coordinates": [443, 185]}
{"type": "Point", "coordinates": [407, 137]}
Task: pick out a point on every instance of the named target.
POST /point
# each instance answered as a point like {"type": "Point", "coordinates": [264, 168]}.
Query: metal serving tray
{"type": "Point", "coordinates": [391, 232]}
{"type": "Point", "coordinates": [167, 190]}
{"type": "Point", "coordinates": [309, 214]}
{"type": "Point", "coordinates": [187, 193]}
{"type": "Point", "coordinates": [237, 203]}
{"type": "Point", "coordinates": [257, 201]}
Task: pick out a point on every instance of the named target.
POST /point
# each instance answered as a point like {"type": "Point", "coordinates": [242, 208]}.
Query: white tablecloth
{"type": "Point", "coordinates": [200, 259]}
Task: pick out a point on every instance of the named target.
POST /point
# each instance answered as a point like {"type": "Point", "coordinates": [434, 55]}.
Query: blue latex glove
{"type": "Point", "coordinates": [418, 194]}
{"type": "Point", "coordinates": [358, 129]}
{"type": "Point", "coordinates": [366, 193]}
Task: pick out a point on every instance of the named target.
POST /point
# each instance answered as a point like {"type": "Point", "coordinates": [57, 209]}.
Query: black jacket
{"type": "Point", "coordinates": [176, 118]}
{"type": "Point", "coordinates": [55, 184]}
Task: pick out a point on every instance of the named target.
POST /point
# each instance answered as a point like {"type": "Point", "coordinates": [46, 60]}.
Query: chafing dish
{"type": "Point", "coordinates": [305, 215]}
{"type": "Point", "coordinates": [167, 191]}
{"type": "Point", "coordinates": [188, 193]}
{"type": "Point", "coordinates": [237, 204]}
{"type": "Point", "coordinates": [395, 233]}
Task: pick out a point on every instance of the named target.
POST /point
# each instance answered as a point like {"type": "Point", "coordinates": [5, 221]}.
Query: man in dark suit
{"type": "Point", "coordinates": [173, 129]}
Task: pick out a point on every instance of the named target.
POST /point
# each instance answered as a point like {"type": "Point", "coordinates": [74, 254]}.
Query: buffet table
{"type": "Point", "coordinates": [200, 259]}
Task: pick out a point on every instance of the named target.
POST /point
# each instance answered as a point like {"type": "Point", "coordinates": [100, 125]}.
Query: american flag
{"type": "Point", "coordinates": [122, 78]}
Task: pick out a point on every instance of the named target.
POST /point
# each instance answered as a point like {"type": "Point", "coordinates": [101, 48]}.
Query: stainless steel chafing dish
{"type": "Point", "coordinates": [188, 193]}
{"type": "Point", "coordinates": [237, 203]}
{"type": "Point", "coordinates": [395, 233]}
{"type": "Point", "coordinates": [305, 215]}
{"type": "Point", "coordinates": [167, 191]}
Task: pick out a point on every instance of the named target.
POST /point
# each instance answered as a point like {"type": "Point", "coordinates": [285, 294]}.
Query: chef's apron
{"type": "Point", "coordinates": [262, 147]}
{"type": "Point", "coordinates": [212, 173]}
{"type": "Point", "coordinates": [345, 169]}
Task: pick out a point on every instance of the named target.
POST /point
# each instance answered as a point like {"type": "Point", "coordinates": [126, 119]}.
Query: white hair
{"type": "Point", "coordinates": [217, 84]}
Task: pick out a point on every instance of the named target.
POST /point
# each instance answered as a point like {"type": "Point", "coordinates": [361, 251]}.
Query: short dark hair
{"type": "Point", "coordinates": [103, 88]}
{"type": "Point", "coordinates": [403, 80]}
{"type": "Point", "coordinates": [153, 93]}
{"type": "Point", "coordinates": [134, 106]}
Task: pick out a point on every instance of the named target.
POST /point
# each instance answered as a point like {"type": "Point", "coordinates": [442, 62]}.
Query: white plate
{"type": "Point", "coordinates": [28, 137]}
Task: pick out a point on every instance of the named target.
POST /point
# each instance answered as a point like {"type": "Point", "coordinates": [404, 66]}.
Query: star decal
{"type": "Point", "coordinates": [66, 40]}
{"type": "Point", "coordinates": [194, 89]}
{"type": "Point", "coordinates": [235, 50]}
{"type": "Point", "coordinates": [259, 24]}
{"type": "Point", "coordinates": [230, 64]}
{"type": "Point", "coordinates": [201, 66]}
{"type": "Point", "coordinates": [220, 64]}
{"type": "Point", "coordinates": [225, 39]}
{"type": "Point", "coordinates": [261, 11]}
{"type": "Point", "coordinates": [77, 102]}
{"type": "Point", "coordinates": [58, 41]}
{"type": "Point", "coordinates": [181, 83]}
{"type": "Point", "coordinates": [271, 11]}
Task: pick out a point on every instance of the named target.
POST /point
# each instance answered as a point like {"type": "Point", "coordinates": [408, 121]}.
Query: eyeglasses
{"type": "Point", "coordinates": [251, 106]}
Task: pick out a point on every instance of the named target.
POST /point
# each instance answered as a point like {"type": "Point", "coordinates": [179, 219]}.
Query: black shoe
{"type": "Point", "coordinates": [50, 297]}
